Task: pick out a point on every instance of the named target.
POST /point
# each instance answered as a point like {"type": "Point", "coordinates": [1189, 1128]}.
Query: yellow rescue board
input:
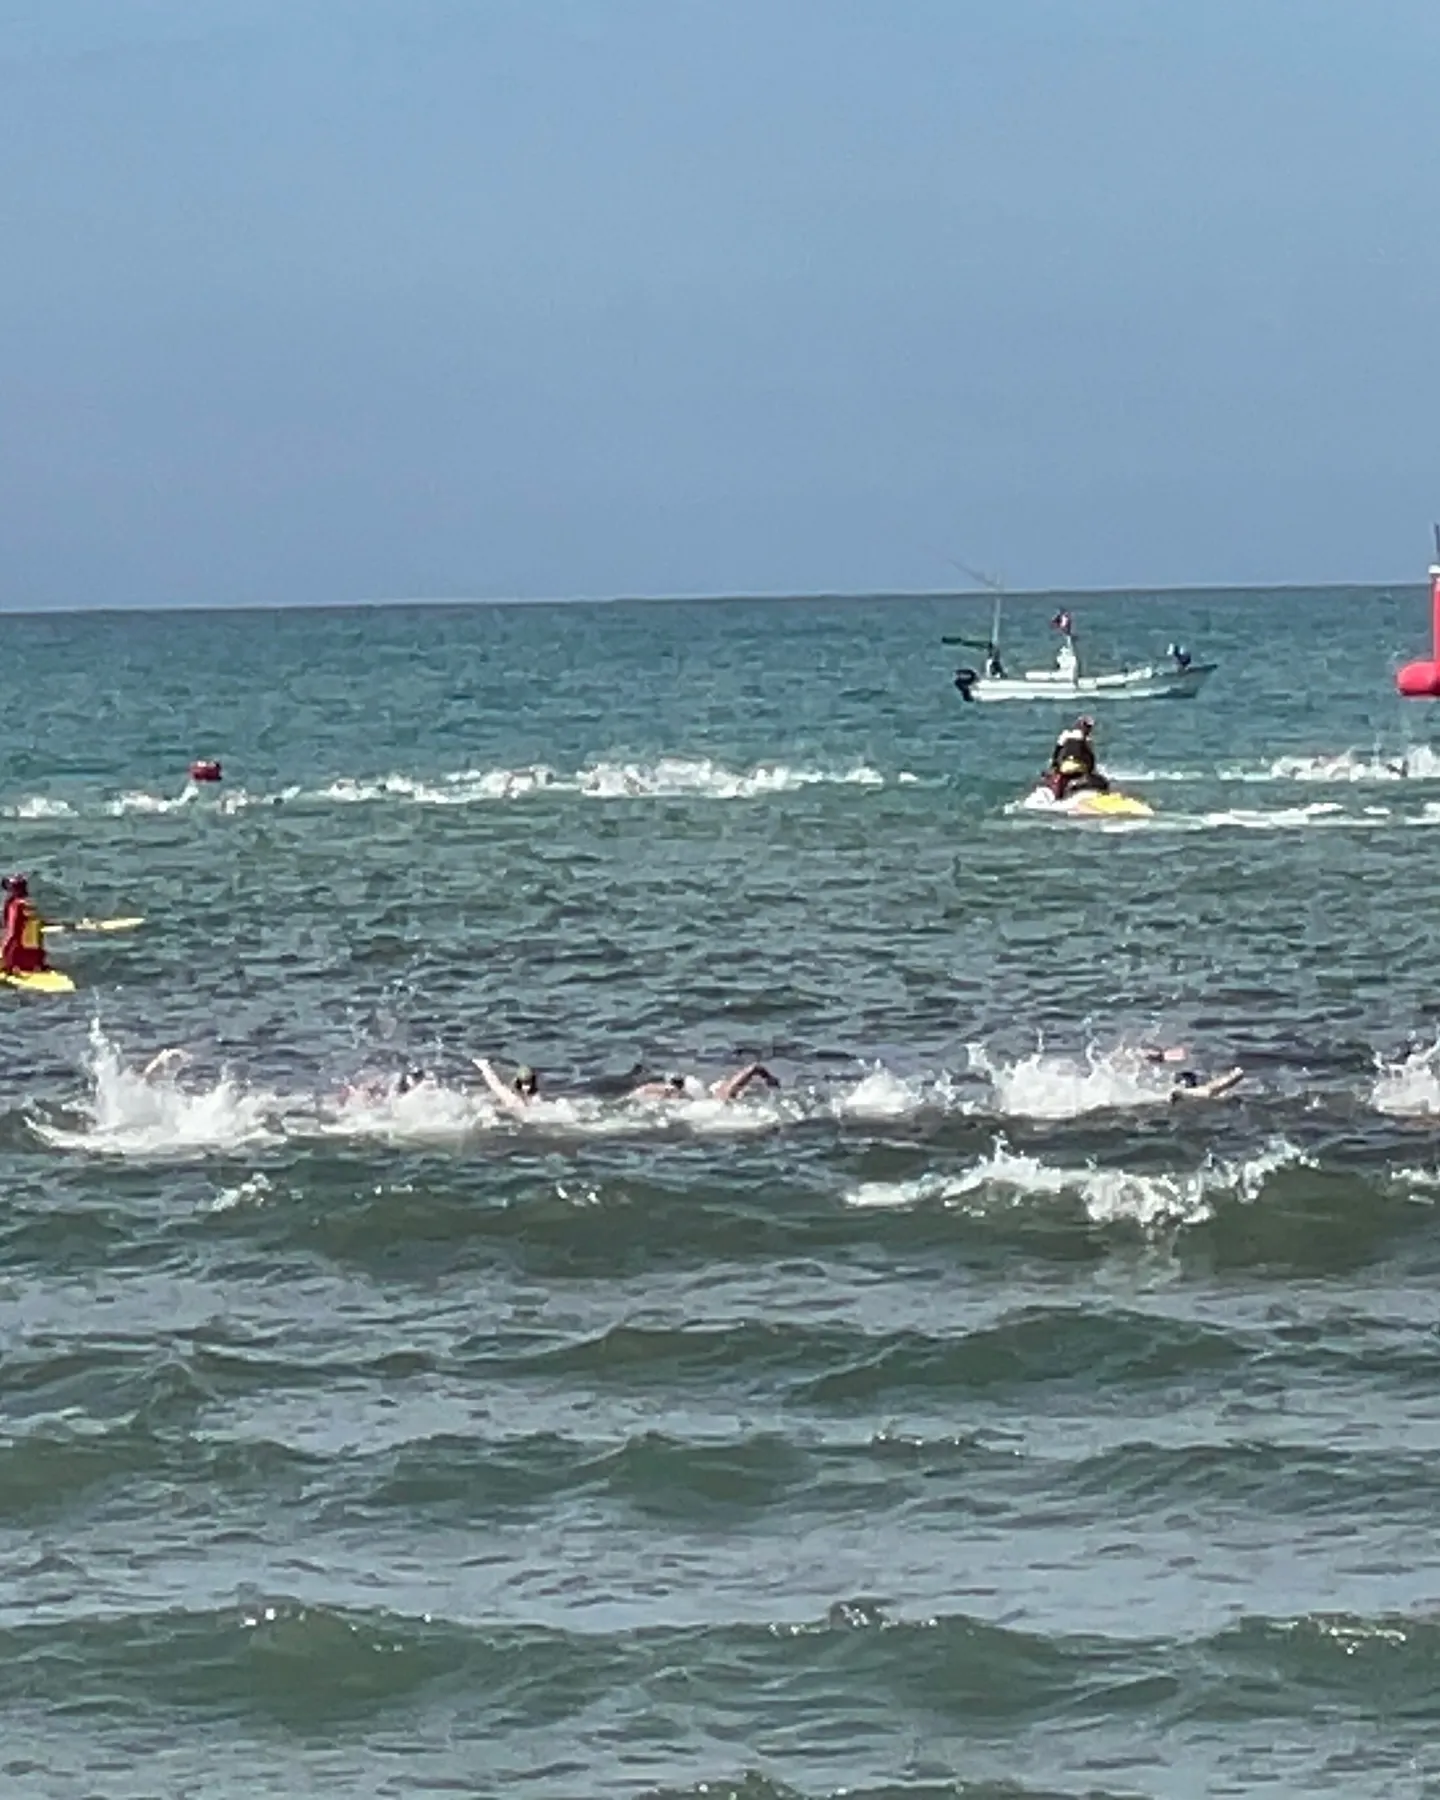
{"type": "Point", "coordinates": [43, 981]}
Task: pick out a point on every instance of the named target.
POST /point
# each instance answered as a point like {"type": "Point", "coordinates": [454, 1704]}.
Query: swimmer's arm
{"type": "Point", "coordinates": [165, 1059]}
{"type": "Point", "coordinates": [504, 1096]}
{"type": "Point", "coordinates": [735, 1085]}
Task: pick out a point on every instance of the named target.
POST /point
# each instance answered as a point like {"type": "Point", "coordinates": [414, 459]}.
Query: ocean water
{"type": "Point", "coordinates": [962, 1418]}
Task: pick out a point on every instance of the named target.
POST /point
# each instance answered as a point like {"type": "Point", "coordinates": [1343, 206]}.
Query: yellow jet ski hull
{"type": "Point", "coordinates": [1110, 806]}
{"type": "Point", "coordinates": [1088, 803]}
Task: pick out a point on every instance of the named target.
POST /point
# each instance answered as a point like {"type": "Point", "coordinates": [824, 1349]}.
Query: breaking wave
{"type": "Point", "coordinates": [668, 777]}
{"type": "Point", "coordinates": [1005, 1178]}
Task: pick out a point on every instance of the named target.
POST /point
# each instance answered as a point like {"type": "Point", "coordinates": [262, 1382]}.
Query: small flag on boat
{"type": "Point", "coordinates": [1063, 622]}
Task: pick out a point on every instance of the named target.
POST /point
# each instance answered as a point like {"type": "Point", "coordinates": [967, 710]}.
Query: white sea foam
{"type": "Point", "coordinates": [1124, 777]}
{"type": "Point", "coordinates": [1108, 1196]}
{"type": "Point", "coordinates": [1040, 1086]}
{"type": "Point", "coordinates": [255, 1190]}
{"type": "Point", "coordinates": [38, 806]}
{"type": "Point", "coordinates": [1415, 763]}
{"type": "Point", "coordinates": [1283, 818]}
{"type": "Point", "coordinates": [667, 777]}
{"type": "Point", "coordinates": [1409, 1088]}
{"type": "Point", "coordinates": [879, 1095]}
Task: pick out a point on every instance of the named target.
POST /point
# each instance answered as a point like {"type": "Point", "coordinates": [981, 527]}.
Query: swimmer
{"type": "Point", "coordinates": [378, 1090]}
{"type": "Point", "coordinates": [1189, 1086]}
{"type": "Point", "coordinates": [519, 1094]}
{"type": "Point", "coordinates": [677, 1087]}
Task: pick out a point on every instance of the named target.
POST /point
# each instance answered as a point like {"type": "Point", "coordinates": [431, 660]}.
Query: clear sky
{"type": "Point", "coordinates": [346, 299]}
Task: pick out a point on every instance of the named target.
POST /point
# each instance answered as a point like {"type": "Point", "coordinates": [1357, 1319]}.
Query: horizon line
{"type": "Point", "coordinates": [777, 597]}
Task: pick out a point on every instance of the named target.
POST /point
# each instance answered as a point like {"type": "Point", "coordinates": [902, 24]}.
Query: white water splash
{"type": "Point", "coordinates": [255, 1190]}
{"type": "Point", "coordinates": [1415, 763]}
{"type": "Point", "coordinates": [38, 806]}
{"type": "Point", "coordinates": [1409, 1088]}
{"type": "Point", "coordinates": [1059, 1087]}
{"type": "Point", "coordinates": [168, 1112]}
{"type": "Point", "coordinates": [668, 777]}
{"type": "Point", "coordinates": [425, 1112]}
{"type": "Point", "coordinates": [879, 1095]}
{"type": "Point", "coordinates": [128, 1114]}
{"type": "Point", "coordinates": [142, 802]}
{"type": "Point", "coordinates": [1124, 777]}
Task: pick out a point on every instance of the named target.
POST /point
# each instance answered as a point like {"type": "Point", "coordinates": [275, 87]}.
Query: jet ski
{"type": "Point", "coordinates": [1085, 802]}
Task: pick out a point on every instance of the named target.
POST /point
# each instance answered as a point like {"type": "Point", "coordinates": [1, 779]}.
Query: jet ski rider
{"type": "Point", "coordinates": [1072, 761]}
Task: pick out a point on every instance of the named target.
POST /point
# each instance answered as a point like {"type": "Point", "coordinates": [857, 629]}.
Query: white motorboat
{"type": "Point", "coordinates": [1148, 682]}
{"type": "Point", "coordinates": [1178, 678]}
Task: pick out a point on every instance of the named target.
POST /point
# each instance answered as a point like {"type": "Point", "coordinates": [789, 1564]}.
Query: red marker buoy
{"type": "Point", "coordinates": [1421, 680]}
{"type": "Point", "coordinates": [206, 769]}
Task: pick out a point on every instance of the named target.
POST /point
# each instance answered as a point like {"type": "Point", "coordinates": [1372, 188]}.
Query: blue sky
{"type": "Point", "coordinates": [346, 300]}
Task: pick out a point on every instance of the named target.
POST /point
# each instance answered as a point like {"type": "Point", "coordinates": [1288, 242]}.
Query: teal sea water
{"type": "Point", "coordinates": [963, 1419]}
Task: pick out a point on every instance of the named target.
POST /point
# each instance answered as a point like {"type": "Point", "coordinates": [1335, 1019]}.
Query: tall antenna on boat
{"type": "Point", "coordinates": [996, 585]}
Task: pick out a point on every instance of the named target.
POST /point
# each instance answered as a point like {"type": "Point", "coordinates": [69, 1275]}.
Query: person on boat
{"type": "Point", "coordinates": [679, 1087]}
{"type": "Point", "coordinates": [22, 935]}
{"type": "Point", "coordinates": [994, 668]}
{"type": "Point", "coordinates": [516, 1095]}
{"type": "Point", "coordinates": [1072, 761]}
{"type": "Point", "coordinates": [1179, 655]}
{"type": "Point", "coordinates": [1067, 663]}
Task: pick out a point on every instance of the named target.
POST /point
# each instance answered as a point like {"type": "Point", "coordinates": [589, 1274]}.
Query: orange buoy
{"type": "Point", "coordinates": [206, 769]}
{"type": "Point", "coordinates": [1421, 680]}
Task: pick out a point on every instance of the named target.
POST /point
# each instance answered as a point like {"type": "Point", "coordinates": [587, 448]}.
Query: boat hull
{"type": "Point", "coordinates": [1050, 684]}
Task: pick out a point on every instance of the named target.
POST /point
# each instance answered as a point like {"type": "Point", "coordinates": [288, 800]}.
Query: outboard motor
{"type": "Point", "coordinates": [965, 680]}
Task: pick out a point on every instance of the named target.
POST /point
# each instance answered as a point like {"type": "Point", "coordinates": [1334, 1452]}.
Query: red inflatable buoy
{"type": "Point", "coordinates": [207, 769]}
{"type": "Point", "coordinates": [1421, 680]}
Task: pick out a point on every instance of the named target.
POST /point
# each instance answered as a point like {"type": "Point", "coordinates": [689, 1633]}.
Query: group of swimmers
{"type": "Point", "coordinates": [521, 1092]}
{"type": "Point", "coordinates": [22, 948]}
{"type": "Point", "coordinates": [523, 1089]}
